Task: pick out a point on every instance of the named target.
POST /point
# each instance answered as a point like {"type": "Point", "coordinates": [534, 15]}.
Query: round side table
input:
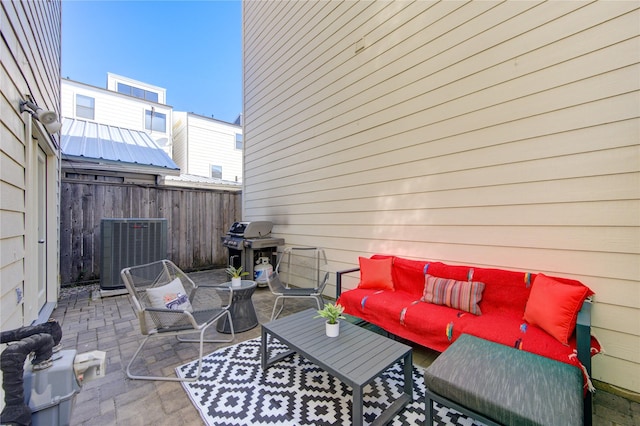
{"type": "Point", "coordinates": [243, 313]}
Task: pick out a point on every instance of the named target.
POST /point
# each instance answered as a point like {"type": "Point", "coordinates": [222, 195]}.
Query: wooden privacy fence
{"type": "Point", "coordinates": [196, 221]}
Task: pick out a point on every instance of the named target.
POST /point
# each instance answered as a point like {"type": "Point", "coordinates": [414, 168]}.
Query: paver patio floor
{"type": "Point", "coordinates": [109, 324]}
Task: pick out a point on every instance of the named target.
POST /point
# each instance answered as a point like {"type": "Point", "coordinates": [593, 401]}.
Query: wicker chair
{"type": "Point", "coordinates": [304, 276]}
{"type": "Point", "coordinates": [168, 303]}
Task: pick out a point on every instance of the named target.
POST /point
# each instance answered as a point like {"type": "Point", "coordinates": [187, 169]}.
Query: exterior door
{"type": "Point", "coordinates": [42, 228]}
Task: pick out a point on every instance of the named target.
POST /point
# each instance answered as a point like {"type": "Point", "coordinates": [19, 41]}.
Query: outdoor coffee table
{"type": "Point", "coordinates": [356, 356]}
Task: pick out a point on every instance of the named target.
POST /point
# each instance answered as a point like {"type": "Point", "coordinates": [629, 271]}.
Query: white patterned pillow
{"type": "Point", "coordinates": [171, 296]}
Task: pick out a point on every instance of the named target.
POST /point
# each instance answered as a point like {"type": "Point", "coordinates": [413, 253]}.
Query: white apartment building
{"type": "Point", "coordinates": [199, 145]}
{"type": "Point", "coordinates": [124, 103]}
{"type": "Point", "coordinates": [207, 147]}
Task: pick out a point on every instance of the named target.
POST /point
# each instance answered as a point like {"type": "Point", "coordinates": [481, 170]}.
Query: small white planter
{"type": "Point", "coordinates": [236, 282]}
{"type": "Point", "coordinates": [333, 330]}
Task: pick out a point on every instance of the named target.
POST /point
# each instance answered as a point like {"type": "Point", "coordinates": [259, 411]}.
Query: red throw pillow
{"type": "Point", "coordinates": [463, 295]}
{"type": "Point", "coordinates": [375, 273]}
{"type": "Point", "coordinates": [553, 306]}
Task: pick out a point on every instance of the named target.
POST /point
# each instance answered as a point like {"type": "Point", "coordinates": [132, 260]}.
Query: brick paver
{"type": "Point", "coordinates": [109, 324]}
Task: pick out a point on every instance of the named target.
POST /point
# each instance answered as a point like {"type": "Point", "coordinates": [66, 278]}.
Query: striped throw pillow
{"type": "Point", "coordinates": [463, 295]}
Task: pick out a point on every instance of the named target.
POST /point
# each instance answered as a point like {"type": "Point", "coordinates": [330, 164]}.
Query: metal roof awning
{"type": "Point", "coordinates": [114, 146]}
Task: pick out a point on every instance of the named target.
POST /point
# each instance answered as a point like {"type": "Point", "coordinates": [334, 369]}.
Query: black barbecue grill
{"type": "Point", "coordinates": [249, 241]}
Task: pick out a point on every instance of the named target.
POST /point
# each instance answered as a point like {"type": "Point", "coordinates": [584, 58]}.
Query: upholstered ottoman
{"type": "Point", "coordinates": [496, 384]}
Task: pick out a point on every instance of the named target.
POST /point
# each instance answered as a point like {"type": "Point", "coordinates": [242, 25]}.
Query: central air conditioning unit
{"type": "Point", "coordinates": [129, 242]}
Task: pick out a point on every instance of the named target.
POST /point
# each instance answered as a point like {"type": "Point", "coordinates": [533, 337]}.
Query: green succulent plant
{"type": "Point", "coordinates": [332, 313]}
{"type": "Point", "coordinates": [236, 272]}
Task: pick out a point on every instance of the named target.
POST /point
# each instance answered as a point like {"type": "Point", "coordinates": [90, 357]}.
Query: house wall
{"type": "Point", "coordinates": [114, 79]}
{"type": "Point", "coordinates": [115, 109]}
{"type": "Point", "coordinates": [30, 67]}
{"type": "Point", "coordinates": [180, 141]}
{"type": "Point", "coordinates": [202, 142]}
{"type": "Point", "coordinates": [495, 134]}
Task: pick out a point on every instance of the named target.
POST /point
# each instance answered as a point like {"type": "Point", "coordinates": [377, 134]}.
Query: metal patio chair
{"type": "Point", "coordinates": [168, 303]}
{"type": "Point", "coordinates": [300, 274]}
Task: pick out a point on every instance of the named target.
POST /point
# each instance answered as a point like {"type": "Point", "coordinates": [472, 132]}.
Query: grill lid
{"type": "Point", "coordinates": [257, 229]}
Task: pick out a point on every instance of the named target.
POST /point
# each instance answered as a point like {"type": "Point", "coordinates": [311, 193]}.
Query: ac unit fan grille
{"type": "Point", "coordinates": [130, 242]}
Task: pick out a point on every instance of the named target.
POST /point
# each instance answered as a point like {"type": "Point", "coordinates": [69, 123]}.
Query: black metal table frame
{"type": "Point", "coordinates": [356, 357]}
{"type": "Point", "coordinates": [243, 313]}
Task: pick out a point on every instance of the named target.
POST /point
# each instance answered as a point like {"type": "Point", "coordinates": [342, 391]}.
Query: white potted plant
{"type": "Point", "coordinates": [236, 275]}
{"type": "Point", "coordinates": [332, 313]}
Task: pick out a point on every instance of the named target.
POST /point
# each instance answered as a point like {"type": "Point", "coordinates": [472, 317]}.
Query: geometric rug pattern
{"type": "Point", "coordinates": [234, 390]}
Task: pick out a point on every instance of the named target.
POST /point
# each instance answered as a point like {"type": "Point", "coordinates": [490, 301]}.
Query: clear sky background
{"type": "Point", "coordinates": [191, 48]}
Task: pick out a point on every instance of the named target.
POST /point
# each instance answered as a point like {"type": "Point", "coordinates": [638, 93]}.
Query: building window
{"type": "Point", "coordinates": [155, 121]}
{"type": "Point", "coordinates": [137, 92]}
{"type": "Point", "coordinates": [239, 141]}
{"type": "Point", "coordinates": [85, 107]}
{"type": "Point", "coordinates": [216, 172]}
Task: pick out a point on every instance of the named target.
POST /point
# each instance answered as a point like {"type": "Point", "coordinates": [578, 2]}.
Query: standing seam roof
{"type": "Point", "coordinates": [90, 140]}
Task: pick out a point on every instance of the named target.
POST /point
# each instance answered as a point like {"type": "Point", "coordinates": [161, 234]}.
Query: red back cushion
{"type": "Point", "coordinates": [408, 275]}
{"type": "Point", "coordinates": [442, 270]}
{"type": "Point", "coordinates": [505, 291]}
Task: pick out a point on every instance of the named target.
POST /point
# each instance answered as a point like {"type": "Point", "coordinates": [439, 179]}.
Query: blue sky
{"type": "Point", "coordinates": [191, 48]}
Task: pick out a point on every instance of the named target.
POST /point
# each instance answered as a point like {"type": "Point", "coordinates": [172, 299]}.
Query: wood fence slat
{"type": "Point", "coordinates": [196, 221]}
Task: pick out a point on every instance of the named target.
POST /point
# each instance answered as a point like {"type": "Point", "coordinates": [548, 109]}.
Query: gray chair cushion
{"type": "Point", "coordinates": [508, 385]}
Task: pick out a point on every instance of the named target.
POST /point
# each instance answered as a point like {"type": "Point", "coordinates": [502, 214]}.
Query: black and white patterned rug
{"type": "Point", "coordinates": [234, 390]}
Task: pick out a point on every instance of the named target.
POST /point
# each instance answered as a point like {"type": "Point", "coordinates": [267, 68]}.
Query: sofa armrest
{"type": "Point", "coordinates": [583, 335]}
{"type": "Point", "coordinates": [339, 279]}
{"type": "Point", "coordinates": [583, 342]}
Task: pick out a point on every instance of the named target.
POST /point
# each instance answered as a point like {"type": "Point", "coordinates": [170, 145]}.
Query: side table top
{"type": "Point", "coordinates": [244, 284]}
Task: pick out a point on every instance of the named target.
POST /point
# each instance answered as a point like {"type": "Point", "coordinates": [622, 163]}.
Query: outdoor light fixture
{"type": "Point", "coordinates": [48, 118]}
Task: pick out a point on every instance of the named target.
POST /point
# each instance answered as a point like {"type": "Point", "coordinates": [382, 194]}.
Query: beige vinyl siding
{"type": "Point", "coordinates": [29, 66]}
{"type": "Point", "coordinates": [30, 54]}
{"type": "Point", "coordinates": [495, 134]}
